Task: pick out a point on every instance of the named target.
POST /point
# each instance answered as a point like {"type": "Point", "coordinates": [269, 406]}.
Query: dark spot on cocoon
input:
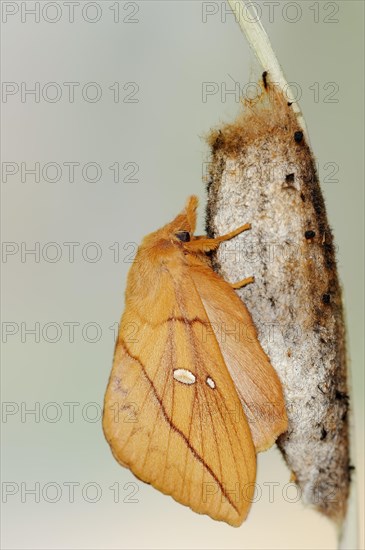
{"type": "Point", "coordinates": [290, 103]}
{"type": "Point", "coordinates": [326, 298]}
{"type": "Point", "coordinates": [350, 469]}
{"type": "Point", "coordinates": [323, 433]}
{"type": "Point", "coordinates": [298, 136]}
{"type": "Point", "coordinates": [264, 79]}
{"type": "Point", "coordinates": [209, 183]}
{"type": "Point", "coordinates": [341, 395]}
{"type": "Point", "coordinates": [302, 197]}
{"type": "Point", "coordinates": [310, 234]}
{"type": "Point", "coordinates": [289, 178]}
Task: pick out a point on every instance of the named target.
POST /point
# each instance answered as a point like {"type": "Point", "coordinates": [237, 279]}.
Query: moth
{"type": "Point", "coordinates": [192, 397]}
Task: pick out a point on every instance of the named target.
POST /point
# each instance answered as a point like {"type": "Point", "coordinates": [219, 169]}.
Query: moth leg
{"type": "Point", "coordinates": [244, 282]}
{"type": "Point", "coordinates": [232, 234]}
{"type": "Point", "coordinates": [205, 244]}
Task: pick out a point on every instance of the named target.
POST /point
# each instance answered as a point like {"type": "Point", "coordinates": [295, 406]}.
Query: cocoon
{"type": "Point", "coordinates": [262, 171]}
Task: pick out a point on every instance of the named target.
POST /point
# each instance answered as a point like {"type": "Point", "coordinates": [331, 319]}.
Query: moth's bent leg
{"type": "Point", "coordinates": [205, 244]}
{"type": "Point", "coordinates": [244, 282]}
{"type": "Point", "coordinates": [233, 233]}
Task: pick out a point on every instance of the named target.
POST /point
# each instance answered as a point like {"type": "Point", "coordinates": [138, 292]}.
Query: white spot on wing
{"type": "Point", "coordinates": [184, 376]}
{"type": "Point", "coordinates": [210, 382]}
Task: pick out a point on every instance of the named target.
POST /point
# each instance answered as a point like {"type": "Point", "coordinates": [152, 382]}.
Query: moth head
{"type": "Point", "coordinates": [185, 222]}
{"type": "Point", "coordinates": [180, 230]}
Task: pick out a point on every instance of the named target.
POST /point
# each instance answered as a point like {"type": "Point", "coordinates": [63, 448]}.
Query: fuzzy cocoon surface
{"type": "Point", "coordinates": [263, 172]}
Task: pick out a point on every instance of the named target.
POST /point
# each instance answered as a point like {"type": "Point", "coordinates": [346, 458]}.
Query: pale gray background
{"type": "Point", "coordinates": [169, 52]}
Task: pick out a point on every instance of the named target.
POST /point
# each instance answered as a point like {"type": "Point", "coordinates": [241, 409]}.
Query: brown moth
{"type": "Point", "coordinates": [202, 393]}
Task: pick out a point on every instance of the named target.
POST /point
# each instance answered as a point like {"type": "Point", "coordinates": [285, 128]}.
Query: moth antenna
{"type": "Point", "coordinates": [190, 209]}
